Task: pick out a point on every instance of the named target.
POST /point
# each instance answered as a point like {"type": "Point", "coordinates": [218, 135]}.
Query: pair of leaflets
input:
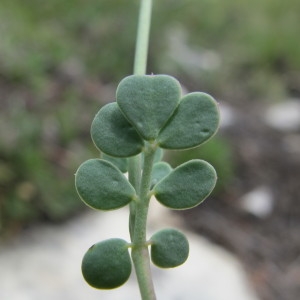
{"type": "Point", "coordinates": [107, 264]}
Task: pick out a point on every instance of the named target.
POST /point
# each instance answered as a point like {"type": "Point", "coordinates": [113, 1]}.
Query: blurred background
{"type": "Point", "coordinates": [60, 61]}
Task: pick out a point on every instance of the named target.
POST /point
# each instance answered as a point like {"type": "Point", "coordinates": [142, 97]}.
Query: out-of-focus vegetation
{"type": "Point", "coordinates": [217, 152]}
{"type": "Point", "coordinates": [59, 58]}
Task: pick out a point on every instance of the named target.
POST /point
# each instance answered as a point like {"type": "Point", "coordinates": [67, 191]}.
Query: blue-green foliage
{"type": "Point", "coordinates": [184, 122]}
{"type": "Point", "coordinates": [101, 185]}
{"type": "Point", "coordinates": [113, 134]}
{"type": "Point", "coordinates": [169, 248]}
{"type": "Point", "coordinates": [149, 114]}
{"type": "Point", "coordinates": [107, 264]}
{"type": "Point", "coordinates": [186, 186]}
{"type": "Point", "coordinates": [160, 170]}
{"type": "Point", "coordinates": [148, 102]}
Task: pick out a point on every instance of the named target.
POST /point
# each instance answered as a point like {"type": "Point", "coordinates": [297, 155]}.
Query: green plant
{"type": "Point", "coordinates": [149, 115]}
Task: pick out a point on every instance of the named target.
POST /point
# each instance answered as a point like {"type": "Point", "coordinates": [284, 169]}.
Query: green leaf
{"type": "Point", "coordinates": [113, 134]}
{"type": "Point", "coordinates": [195, 120]}
{"type": "Point", "coordinates": [107, 265]}
{"type": "Point", "coordinates": [120, 162]}
{"type": "Point", "coordinates": [102, 186]}
{"type": "Point", "coordinates": [148, 101]}
{"type": "Point", "coordinates": [160, 170]}
{"type": "Point", "coordinates": [187, 185]}
{"type": "Point", "coordinates": [169, 248]}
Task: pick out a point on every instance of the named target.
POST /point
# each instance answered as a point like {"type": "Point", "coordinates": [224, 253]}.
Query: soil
{"type": "Point", "coordinates": [269, 247]}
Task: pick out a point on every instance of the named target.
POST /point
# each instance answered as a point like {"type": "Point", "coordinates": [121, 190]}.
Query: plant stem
{"type": "Point", "coordinates": [140, 254]}
{"type": "Point", "coordinates": [142, 41]}
{"type": "Point", "coordinates": [134, 176]}
{"type": "Point", "coordinates": [139, 68]}
{"type": "Point", "coordinates": [141, 180]}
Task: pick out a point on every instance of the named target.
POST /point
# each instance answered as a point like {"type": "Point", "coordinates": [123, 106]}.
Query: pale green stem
{"type": "Point", "coordinates": [140, 253]}
{"type": "Point", "coordinates": [134, 176]}
{"type": "Point", "coordinates": [142, 41]}
{"type": "Point", "coordinates": [140, 65]}
{"type": "Point", "coordinates": [141, 182]}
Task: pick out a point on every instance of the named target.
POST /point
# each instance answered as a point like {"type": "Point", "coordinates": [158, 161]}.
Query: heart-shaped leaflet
{"type": "Point", "coordinates": [148, 101]}
{"type": "Point", "coordinates": [107, 264]}
{"type": "Point", "coordinates": [102, 186]}
{"type": "Point", "coordinates": [187, 185]}
{"type": "Point", "coordinates": [195, 120]}
{"type": "Point", "coordinates": [113, 134]}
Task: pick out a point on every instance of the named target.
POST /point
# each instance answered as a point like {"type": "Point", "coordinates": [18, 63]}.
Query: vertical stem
{"type": "Point", "coordinates": [141, 182]}
{"type": "Point", "coordinates": [142, 41]}
{"type": "Point", "coordinates": [140, 254]}
{"type": "Point", "coordinates": [139, 68]}
{"type": "Point", "coordinates": [134, 171]}
{"type": "Point", "coordinates": [134, 177]}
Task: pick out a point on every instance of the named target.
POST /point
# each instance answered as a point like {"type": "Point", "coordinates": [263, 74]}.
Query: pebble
{"type": "Point", "coordinates": [258, 202]}
{"type": "Point", "coordinates": [284, 116]}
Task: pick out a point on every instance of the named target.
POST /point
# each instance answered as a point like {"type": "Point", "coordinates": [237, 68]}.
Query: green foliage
{"type": "Point", "coordinates": [107, 265]}
{"type": "Point", "coordinates": [113, 134]}
{"type": "Point", "coordinates": [186, 186]}
{"type": "Point", "coordinates": [140, 99]}
{"type": "Point", "coordinates": [149, 114]}
{"type": "Point", "coordinates": [120, 163]}
{"type": "Point", "coordinates": [148, 102]}
{"type": "Point", "coordinates": [102, 186]}
{"type": "Point", "coordinates": [160, 170]}
{"type": "Point", "coordinates": [37, 159]}
{"type": "Point", "coordinates": [169, 248]}
{"type": "Point", "coordinates": [195, 120]}
{"type": "Point", "coordinates": [37, 38]}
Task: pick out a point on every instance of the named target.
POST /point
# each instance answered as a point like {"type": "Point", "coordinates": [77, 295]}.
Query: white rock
{"type": "Point", "coordinates": [284, 116]}
{"type": "Point", "coordinates": [227, 115]}
{"type": "Point", "coordinates": [259, 202]}
{"type": "Point", "coordinates": [191, 58]}
{"type": "Point", "coordinates": [44, 263]}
